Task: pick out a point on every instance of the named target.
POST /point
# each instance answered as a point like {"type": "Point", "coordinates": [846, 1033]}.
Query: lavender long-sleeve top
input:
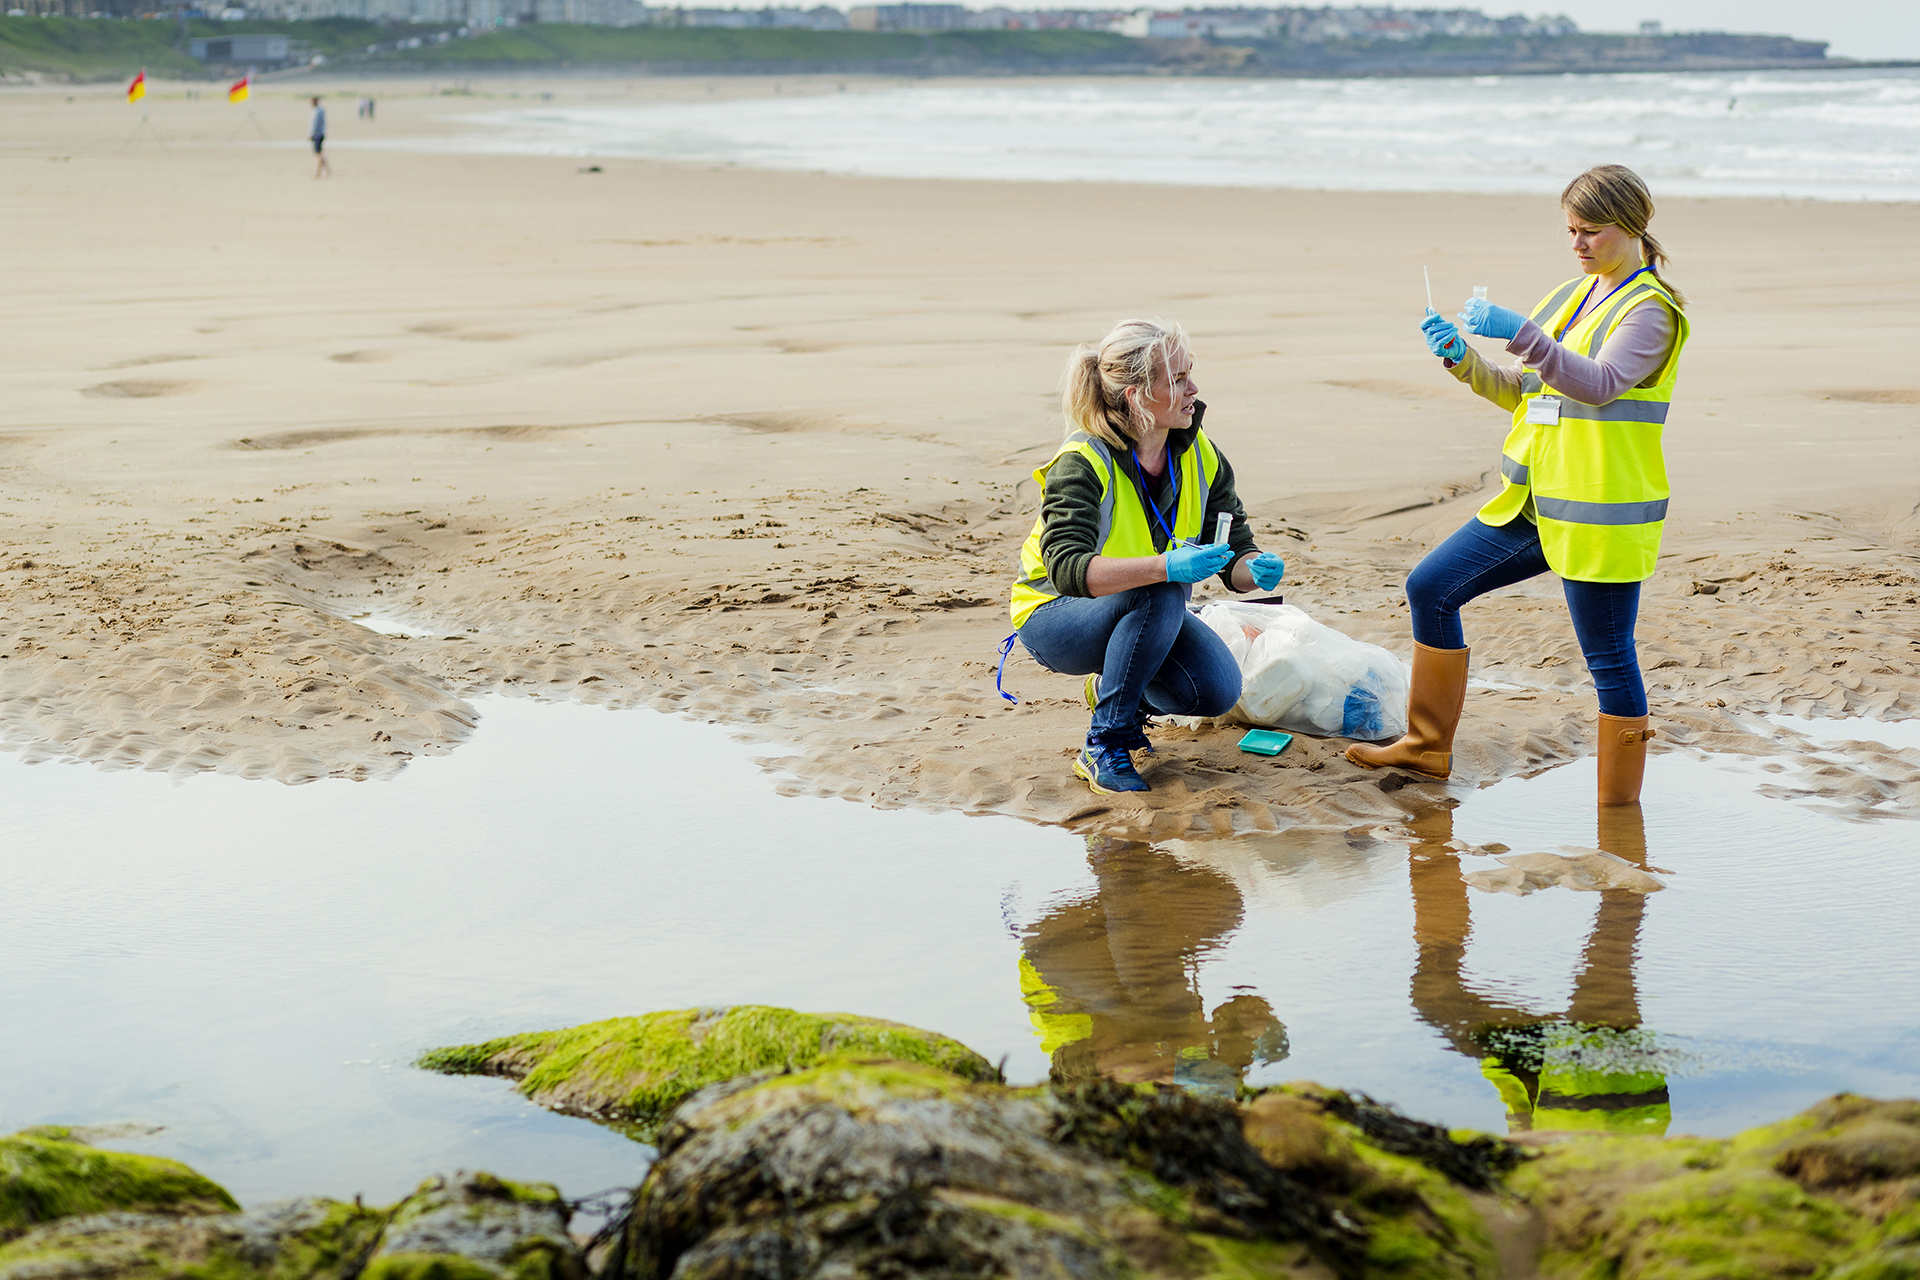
{"type": "Point", "coordinates": [1631, 357]}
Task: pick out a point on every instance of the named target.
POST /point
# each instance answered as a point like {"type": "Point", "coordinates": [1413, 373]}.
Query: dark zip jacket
{"type": "Point", "coordinates": [1070, 509]}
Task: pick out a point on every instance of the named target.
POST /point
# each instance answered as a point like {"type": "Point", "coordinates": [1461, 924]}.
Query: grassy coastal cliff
{"type": "Point", "coordinates": [85, 49]}
{"type": "Point", "coordinates": [104, 48]}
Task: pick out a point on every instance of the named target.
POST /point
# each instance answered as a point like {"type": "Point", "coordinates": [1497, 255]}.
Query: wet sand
{"type": "Point", "coordinates": [754, 446]}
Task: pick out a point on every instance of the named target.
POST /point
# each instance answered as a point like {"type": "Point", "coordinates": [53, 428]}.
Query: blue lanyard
{"type": "Point", "coordinates": [1582, 308]}
{"type": "Point", "coordinates": [1173, 474]}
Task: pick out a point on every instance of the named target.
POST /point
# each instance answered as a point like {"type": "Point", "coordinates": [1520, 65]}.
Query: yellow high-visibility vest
{"type": "Point", "coordinates": [1125, 527]}
{"type": "Point", "coordinates": [1056, 1030]}
{"type": "Point", "coordinates": [1579, 1099]}
{"type": "Point", "coordinates": [1597, 478]}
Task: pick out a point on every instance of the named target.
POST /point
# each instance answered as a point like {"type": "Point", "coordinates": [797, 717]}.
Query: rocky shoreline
{"type": "Point", "coordinates": [798, 1145]}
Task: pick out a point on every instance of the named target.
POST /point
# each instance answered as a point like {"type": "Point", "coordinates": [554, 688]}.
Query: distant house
{"type": "Point", "coordinates": [254, 51]}
{"type": "Point", "coordinates": [908, 17]}
{"type": "Point", "coordinates": [818, 18]}
{"type": "Point", "coordinates": [1193, 24]}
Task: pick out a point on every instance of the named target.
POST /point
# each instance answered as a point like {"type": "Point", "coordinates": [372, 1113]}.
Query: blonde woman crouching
{"type": "Point", "coordinates": [1126, 506]}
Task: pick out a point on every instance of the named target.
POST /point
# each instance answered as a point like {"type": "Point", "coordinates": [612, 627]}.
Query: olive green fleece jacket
{"type": "Point", "coordinates": [1070, 511]}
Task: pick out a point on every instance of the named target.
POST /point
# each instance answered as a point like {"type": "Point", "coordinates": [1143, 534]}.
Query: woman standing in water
{"type": "Point", "coordinates": [1585, 492]}
{"type": "Point", "coordinates": [1107, 571]}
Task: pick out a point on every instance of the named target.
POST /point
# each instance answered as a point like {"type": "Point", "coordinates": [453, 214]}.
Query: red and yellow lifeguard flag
{"type": "Point", "coordinates": [138, 89]}
{"type": "Point", "coordinates": [240, 90]}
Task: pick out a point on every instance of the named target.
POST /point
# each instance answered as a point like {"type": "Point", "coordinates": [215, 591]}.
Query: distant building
{"type": "Point", "coordinates": [474, 14]}
{"type": "Point", "coordinates": [1649, 28]}
{"type": "Point", "coordinates": [1328, 25]}
{"type": "Point", "coordinates": [1195, 24]}
{"type": "Point", "coordinates": [820, 18]}
{"type": "Point", "coordinates": [255, 51]}
{"type": "Point", "coordinates": [726, 18]}
{"type": "Point", "coordinates": [908, 17]}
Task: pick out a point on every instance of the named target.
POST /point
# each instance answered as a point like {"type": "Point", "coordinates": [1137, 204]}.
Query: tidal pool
{"type": "Point", "coordinates": [254, 966]}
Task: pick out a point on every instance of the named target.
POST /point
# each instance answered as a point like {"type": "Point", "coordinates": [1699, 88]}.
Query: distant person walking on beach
{"type": "Point", "coordinates": [317, 131]}
{"type": "Point", "coordinates": [1107, 571]}
{"type": "Point", "coordinates": [1585, 491]}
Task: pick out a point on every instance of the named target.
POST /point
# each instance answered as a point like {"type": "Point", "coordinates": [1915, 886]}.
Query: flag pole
{"type": "Point", "coordinates": [137, 92]}
{"type": "Point", "coordinates": [246, 87]}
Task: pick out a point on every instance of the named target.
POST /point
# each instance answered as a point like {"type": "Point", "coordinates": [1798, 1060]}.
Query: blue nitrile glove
{"type": "Point", "coordinates": [1442, 338]}
{"type": "Point", "coordinates": [1267, 570]}
{"type": "Point", "coordinates": [1191, 564]}
{"type": "Point", "coordinates": [1489, 321]}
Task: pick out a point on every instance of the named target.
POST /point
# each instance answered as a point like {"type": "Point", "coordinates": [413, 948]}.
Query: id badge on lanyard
{"type": "Point", "coordinates": [1543, 411]}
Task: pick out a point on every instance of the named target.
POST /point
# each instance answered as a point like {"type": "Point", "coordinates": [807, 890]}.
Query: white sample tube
{"type": "Point", "coordinates": [1480, 292]}
{"type": "Point", "coordinates": [1222, 526]}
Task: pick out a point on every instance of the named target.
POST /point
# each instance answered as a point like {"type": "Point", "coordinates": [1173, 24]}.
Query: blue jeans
{"type": "Point", "coordinates": [1150, 652]}
{"type": "Point", "coordinates": [1480, 558]}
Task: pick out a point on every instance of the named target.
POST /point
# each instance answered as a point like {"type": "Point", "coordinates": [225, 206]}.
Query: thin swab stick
{"type": "Point", "coordinates": [1429, 280]}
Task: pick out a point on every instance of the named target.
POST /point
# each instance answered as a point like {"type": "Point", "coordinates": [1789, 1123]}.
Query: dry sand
{"type": "Point", "coordinates": [755, 446]}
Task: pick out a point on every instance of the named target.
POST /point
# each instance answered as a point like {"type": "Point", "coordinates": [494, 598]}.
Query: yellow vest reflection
{"type": "Point", "coordinates": [1111, 979]}
{"type": "Point", "coordinates": [1587, 1067]}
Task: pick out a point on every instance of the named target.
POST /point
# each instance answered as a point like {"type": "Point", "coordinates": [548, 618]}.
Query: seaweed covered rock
{"type": "Point", "coordinates": [1833, 1192]}
{"type": "Point", "coordinates": [631, 1072]}
{"type": "Point", "coordinates": [463, 1227]}
{"type": "Point", "coordinates": [497, 1230]}
{"type": "Point", "coordinates": [47, 1173]}
{"type": "Point", "coordinates": [317, 1239]}
{"type": "Point", "coordinates": [871, 1167]}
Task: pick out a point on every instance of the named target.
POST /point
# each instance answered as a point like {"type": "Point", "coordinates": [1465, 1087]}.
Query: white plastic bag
{"type": "Point", "coordinates": [1299, 675]}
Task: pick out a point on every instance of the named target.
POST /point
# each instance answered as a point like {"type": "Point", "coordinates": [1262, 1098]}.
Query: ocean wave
{"type": "Point", "coordinates": [1821, 135]}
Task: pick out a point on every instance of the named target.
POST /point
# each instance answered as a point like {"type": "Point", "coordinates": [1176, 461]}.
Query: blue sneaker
{"type": "Point", "coordinates": [1131, 738]}
{"type": "Point", "coordinates": [1108, 768]}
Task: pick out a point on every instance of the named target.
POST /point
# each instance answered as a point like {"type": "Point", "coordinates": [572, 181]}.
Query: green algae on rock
{"type": "Point", "coordinates": [1833, 1192]}
{"type": "Point", "coordinates": [305, 1239]}
{"type": "Point", "coordinates": [46, 1174]}
{"type": "Point", "coordinates": [872, 1167]}
{"type": "Point", "coordinates": [478, 1227]}
{"type": "Point", "coordinates": [461, 1227]}
{"type": "Point", "coordinates": [631, 1072]}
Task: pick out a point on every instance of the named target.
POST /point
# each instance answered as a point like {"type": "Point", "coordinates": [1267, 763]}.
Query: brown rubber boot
{"type": "Point", "coordinates": [1433, 713]}
{"type": "Point", "coordinates": [1623, 758]}
{"type": "Point", "coordinates": [1621, 830]}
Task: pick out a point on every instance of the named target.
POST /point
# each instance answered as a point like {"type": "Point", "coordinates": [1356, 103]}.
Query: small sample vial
{"type": "Point", "coordinates": [1480, 292]}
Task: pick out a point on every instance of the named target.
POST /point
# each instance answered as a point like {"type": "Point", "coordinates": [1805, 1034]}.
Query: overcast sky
{"type": "Point", "coordinates": [1855, 28]}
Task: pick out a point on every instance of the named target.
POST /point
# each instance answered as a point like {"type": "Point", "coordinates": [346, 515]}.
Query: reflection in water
{"type": "Point", "coordinates": [1111, 978]}
{"type": "Point", "coordinates": [1588, 1067]}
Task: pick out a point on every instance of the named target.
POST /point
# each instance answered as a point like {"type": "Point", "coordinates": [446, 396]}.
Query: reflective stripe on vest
{"type": "Point", "coordinates": [1597, 478]}
{"type": "Point", "coordinates": [1125, 528]}
{"type": "Point", "coordinates": [1601, 512]}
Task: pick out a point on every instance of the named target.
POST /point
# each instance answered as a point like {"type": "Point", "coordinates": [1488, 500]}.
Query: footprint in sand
{"type": "Point", "coordinates": [1892, 396]}
{"type": "Point", "coordinates": [137, 361]}
{"type": "Point", "coordinates": [1383, 387]}
{"type": "Point", "coordinates": [138, 388]}
{"type": "Point", "coordinates": [444, 329]}
{"type": "Point", "coordinates": [361, 357]}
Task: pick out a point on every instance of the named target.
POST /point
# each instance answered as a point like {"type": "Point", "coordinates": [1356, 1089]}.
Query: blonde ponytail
{"type": "Point", "coordinates": [1093, 392]}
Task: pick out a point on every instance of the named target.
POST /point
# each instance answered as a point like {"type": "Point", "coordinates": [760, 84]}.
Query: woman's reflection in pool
{"type": "Point", "coordinates": [1588, 1067]}
{"type": "Point", "coordinates": [1112, 978]}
